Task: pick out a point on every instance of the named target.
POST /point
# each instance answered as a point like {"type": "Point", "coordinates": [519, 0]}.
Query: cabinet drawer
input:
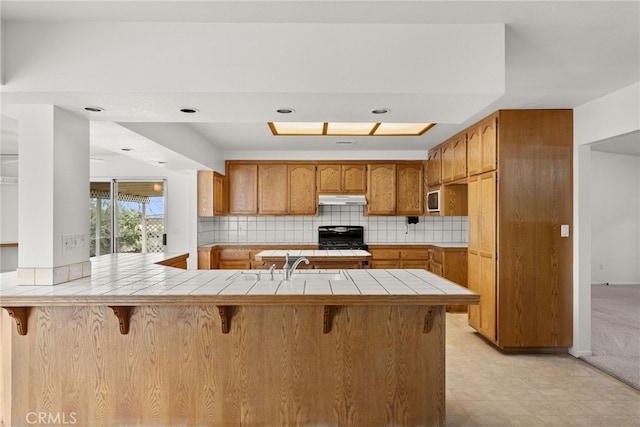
{"type": "Point", "coordinates": [424, 265]}
{"type": "Point", "coordinates": [418, 254]}
{"type": "Point", "coordinates": [235, 254]}
{"type": "Point", "coordinates": [385, 253]}
{"type": "Point", "coordinates": [234, 265]}
{"type": "Point", "coordinates": [387, 264]}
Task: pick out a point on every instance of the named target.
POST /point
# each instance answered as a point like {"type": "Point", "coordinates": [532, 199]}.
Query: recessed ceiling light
{"type": "Point", "coordinates": [189, 110]}
{"type": "Point", "coordinates": [162, 163]}
{"type": "Point", "coordinates": [380, 111]}
{"type": "Point", "coordinates": [126, 149]}
{"type": "Point", "coordinates": [285, 110]}
{"type": "Point", "coordinates": [94, 109]}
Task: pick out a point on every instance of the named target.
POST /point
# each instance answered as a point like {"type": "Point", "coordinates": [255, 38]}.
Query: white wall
{"type": "Point", "coordinates": [612, 115]}
{"type": "Point", "coordinates": [615, 218]}
{"type": "Point", "coordinates": [181, 203]}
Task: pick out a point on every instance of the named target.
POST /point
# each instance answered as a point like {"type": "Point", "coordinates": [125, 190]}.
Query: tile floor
{"type": "Point", "coordinates": [488, 388]}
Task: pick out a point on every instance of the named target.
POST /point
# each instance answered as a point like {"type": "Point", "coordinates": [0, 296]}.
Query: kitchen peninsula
{"type": "Point", "coordinates": [139, 343]}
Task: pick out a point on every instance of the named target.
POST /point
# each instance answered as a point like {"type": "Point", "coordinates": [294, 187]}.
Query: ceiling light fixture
{"type": "Point", "coordinates": [94, 109]}
{"type": "Point", "coordinates": [188, 110]}
{"type": "Point", "coordinates": [285, 110]}
{"type": "Point", "coordinates": [348, 129]}
{"type": "Point", "coordinates": [380, 111]}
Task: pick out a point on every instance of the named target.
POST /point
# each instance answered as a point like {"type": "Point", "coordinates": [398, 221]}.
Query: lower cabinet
{"type": "Point", "coordinates": [450, 263]}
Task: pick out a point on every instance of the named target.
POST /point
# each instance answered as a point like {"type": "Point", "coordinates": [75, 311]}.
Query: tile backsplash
{"type": "Point", "coordinates": [304, 229]}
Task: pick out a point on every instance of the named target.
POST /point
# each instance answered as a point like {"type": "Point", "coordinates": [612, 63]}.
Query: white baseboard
{"type": "Point", "coordinates": [579, 353]}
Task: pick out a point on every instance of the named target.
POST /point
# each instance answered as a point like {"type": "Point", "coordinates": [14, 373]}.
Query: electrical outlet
{"type": "Point", "coordinates": [564, 230]}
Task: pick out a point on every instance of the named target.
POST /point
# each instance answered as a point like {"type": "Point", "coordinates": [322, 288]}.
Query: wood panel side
{"type": "Point", "coordinates": [275, 367]}
{"type": "Point", "coordinates": [535, 188]}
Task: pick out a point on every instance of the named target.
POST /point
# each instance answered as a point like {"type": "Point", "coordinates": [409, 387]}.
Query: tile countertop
{"type": "Point", "coordinates": [136, 279]}
{"type": "Point", "coordinates": [439, 244]}
{"type": "Point", "coordinates": [313, 253]}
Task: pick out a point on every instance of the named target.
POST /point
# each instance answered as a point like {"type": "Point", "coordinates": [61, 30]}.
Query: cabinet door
{"type": "Point", "coordinates": [434, 167]}
{"type": "Point", "coordinates": [243, 188]}
{"type": "Point", "coordinates": [489, 137]}
{"type": "Point", "coordinates": [459, 156]}
{"type": "Point", "coordinates": [219, 194]}
{"type": "Point", "coordinates": [410, 190]}
{"type": "Point", "coordinates": [302, 190]}
{"type": "Point", "coordinates": [354, 179]}
{"type": "Point", "coordinates": [488, 254]}
{"type": "Point", "coordinates": [447, 161]}
{"type": "Point", "coordinates": [474, 151]}
{"type": "Point", "coordinates": [381, 189]}
{"type": "Point", "coordinates": [272, 189]}
{"type": "Point", "coordinates": [482, 253]}
{"type": "Point", "coordinates": [473, 257]}
{"type": "Point", "coordinates": [329, 179]}
{"type": "Point", "coordinates": [205, 193]}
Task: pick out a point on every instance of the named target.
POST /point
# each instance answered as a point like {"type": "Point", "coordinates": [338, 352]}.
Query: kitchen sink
{"type": "Point", "coordinates": [299, 275]}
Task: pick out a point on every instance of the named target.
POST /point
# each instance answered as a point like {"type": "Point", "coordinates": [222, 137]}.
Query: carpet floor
{"type": "Point", "coordinates": [615, 331]}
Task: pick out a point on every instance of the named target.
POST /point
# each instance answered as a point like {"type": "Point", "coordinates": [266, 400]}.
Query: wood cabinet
{"type": "Point", "coordinates": [211, 193]}
{"type": "Point", "coordinates": [384, 258]}
{"type": "Point", "coordinates": [207, 258]}
{"type": "Point", "coordinates": [454, 158]}
{"type": "Point", "coordinates": [410, 191]}
{"type": "Point", "coordinates": [434, 166]}
{"type": "Point", "coordinates": [481, 146]}
{"type": "Point", "coordinates": [291, 187]}
{"type": "Point", "coordinates": [243, 188]}
{"type": "Point", "coordinates": [234, 258]}
{"type": "Point", "coordinates": [517, 259]}
{"type": "Point", "coordinates": [395, 256]}
{"type": "Point", "coordinates": [381, 189]}
{"type": "Point", "coordinates": [272, 189]}
{"type": "Point", "coordinates": [342, 178]}
{"type": "Point", "coordinates": [302, 190]}
{"type": "Point", "coordinates": [482, 252]}
{"type": "Point", "coordinates": [450, 263]}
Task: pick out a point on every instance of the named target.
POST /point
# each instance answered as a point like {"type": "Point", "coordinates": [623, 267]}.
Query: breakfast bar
{"type": "Point", "coordinates": [139, 343]}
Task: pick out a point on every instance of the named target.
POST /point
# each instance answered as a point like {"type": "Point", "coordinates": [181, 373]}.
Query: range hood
{"type": "Point", "coordinates": [342, 199]}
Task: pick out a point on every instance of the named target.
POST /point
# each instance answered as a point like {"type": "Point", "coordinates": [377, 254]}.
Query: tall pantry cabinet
{"type": "Point", "coordinates": [520, 193]}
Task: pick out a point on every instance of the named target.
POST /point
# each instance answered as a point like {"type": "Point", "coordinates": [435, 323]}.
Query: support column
{"type": "Point", "coordinates": [53, 226]}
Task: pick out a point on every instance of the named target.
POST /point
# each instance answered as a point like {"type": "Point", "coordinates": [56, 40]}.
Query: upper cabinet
{"type": "Point", "coordinates": [434, 166]}
{"type": "Point", "coordinates": [481, 146]}
{"type": "Point", "coordinates": [302, 190]}
{"type": "Point", "coordinates": [212, 193]}
{"type": "Point", "coordinates": [381, 194]}
{"type": "Point", "coordinates": [454, 158]}
{"type": "Point", "coordinates": [292, 188]}
{"type": "Point", "coordinates": [243, 188]}
{"type": "Point", "coordinates": [410, 191]}
{"type": "Point", "coordinates": [395, 189]}
{"type": "Point", "coordinates": [272, 189]}
{"type": "Point", "coordinates": [267, 188]}
{"type": "Point", "coordinates": [342, 179]}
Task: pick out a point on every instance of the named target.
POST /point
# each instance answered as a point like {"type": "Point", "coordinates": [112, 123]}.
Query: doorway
{"type": "Point", "coordinates": [127, 216]}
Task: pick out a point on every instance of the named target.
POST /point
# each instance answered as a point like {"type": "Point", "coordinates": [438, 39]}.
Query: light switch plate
{"type": "Point", "coordinates": [564, 230]}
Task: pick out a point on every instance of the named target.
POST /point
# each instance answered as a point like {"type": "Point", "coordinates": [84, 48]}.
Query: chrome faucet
{"type": "Point", "coordinates": [271, 270]}
{"type": "Point", "coordinates": [288, 270]}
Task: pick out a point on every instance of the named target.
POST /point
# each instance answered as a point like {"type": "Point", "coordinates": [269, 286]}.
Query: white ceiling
{"type": "Point", "coordinates": [450, 62]}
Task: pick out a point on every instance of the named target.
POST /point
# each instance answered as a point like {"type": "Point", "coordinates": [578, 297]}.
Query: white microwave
{"type": "Point", "coordinates": [433, 201]}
